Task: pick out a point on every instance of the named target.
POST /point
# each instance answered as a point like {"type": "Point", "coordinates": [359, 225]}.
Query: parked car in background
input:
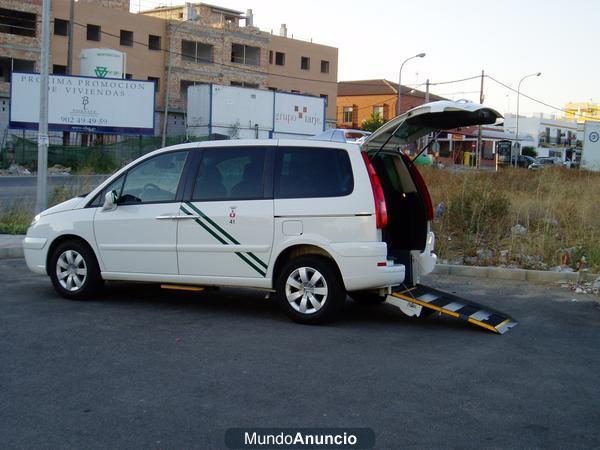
{"type": "Point", "coordinates": [341, 135]}
{"type": "Point", "coordinates": [545, 161]}
{"type": "Point", "coordinates": [523, 161]}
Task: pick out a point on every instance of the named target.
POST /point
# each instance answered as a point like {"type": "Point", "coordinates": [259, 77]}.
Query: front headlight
{"type": "Point", "coordinates": [35, 220]}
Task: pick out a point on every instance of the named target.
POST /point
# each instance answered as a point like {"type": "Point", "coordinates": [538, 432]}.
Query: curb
{"type": "Point", "coordinates": [11, 252]}
{"type": "Point", "coordinates": [502, 273]}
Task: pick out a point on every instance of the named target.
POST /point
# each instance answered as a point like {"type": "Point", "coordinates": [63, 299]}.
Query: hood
{"type": "Point", "coordinates": [422, 120]}
{"type": "Point", "coordinates": [73, 203]}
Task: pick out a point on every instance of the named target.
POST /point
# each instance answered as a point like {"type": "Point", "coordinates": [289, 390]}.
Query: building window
{"type": "Point", "coordinates": [305, 63]}
{"type": "Point", "coordinates": [196, 52]}
{"type": "Point", "coordinates": [154, 42]}
{"type": "Point", "coordinates": [326, 97]}
{"type": "Point", "coordinates": [17, 22]}
{"type": "Point", "coordinates": [245, 54]}
{"type": "Point", "coordinates": [294, 91]}
{"type": "Point", "coordinates": [57, 69]}
{"type": "Point", "coordinates": [128, 76]}
{"type": "Point", "coordinates": [93, 32]}
{"type": "Point", "coordinates": [61, 27]}
{"type": "Point", "coordinates": [378, 110]}
{"type": "Point", "coordinates": [270, 56]}
{"type": "Point", "coordinates": [274, 89]}
{"type": "Point", "coordinates": [279, 59]}
{"type": "Point", "coordinates": [347, 117]}
{"type": "Point", "coordinates": [324, 66]}
{"type": "Point", "coordinates": [244, 84]}
{"type": "Point", "coordinates": [156, 83]}
{"type": "Point", "coordinates": [126, 38]}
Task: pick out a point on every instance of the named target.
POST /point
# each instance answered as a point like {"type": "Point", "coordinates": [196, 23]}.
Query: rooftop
{"type": "Point", "coordinates": [379, 87]}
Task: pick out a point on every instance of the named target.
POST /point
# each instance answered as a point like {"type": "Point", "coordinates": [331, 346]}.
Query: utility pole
{"type": "Point", "coordinates": [478, 150]}
{"type": "Point", "coordinates": [427, 91]}
{"type": "Point", "coordinates": [70, 44]}
{"type": "Point", "coordinates": [42, 166]}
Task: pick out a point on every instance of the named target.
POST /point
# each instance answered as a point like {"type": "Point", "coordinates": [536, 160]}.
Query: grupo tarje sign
{"type": "Point", "coordinates": [84, 104]}
{"type": "Point", "coordinates": [298, 114]}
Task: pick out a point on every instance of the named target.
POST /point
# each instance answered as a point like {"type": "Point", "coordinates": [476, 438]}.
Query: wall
{"type": "Point", "coordinates": [141, 61]}
{"type": "Point", "coordinates": [290, 77]}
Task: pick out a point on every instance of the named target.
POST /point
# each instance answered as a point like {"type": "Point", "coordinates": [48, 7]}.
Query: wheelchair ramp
{"type": "Point", "coordinates": [452, 305]}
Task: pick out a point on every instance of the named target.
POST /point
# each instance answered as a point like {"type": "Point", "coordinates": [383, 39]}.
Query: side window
{"type": "Point", "coordinates": [154, 180]}
{"type": "Point", "coordinates": [312, 172]}
{"type": "Point", "coordinates": [230, 174]}
{"type": "Point", "coordinates": [116, 185]}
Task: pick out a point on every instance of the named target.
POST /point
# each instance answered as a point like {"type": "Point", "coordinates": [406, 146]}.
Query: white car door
{"type": "Point", "coordinates": [230, 230]}
{"type": "Point", "coordinates": [140, 234]}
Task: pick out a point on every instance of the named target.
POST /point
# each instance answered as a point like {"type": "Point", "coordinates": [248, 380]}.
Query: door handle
{"type": "Point", "coordinates": [174, 217]}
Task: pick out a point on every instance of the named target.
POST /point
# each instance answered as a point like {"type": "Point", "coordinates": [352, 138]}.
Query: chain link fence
{"type": "Point", "coordinates": [94, 158]}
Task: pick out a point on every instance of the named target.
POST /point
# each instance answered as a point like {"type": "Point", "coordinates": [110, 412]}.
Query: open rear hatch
{"type": "Point", "coordinates": [407, 200]}
{"type": "Point", "coordinates": [409, 207]}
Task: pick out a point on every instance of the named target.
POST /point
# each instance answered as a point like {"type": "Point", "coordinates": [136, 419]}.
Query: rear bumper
{"type": "Point", "coordinates": [360, 269]}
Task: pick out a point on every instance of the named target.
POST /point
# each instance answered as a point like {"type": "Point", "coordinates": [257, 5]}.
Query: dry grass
{"type": "Point", "coordinates": [559, 207]}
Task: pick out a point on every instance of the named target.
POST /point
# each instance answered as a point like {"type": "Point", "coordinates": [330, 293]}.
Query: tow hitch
{"type": "Point", "coordinates": [412, 301]}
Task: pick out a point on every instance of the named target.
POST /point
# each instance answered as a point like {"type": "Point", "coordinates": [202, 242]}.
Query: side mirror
{"type": "Point", "coordinates": [110, 201]}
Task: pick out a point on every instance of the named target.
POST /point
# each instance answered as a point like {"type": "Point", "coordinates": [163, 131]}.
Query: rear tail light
{"type": "Point", "coordinates": [422, 187]}
{"type": "Point", "coordinates": [381, 217]}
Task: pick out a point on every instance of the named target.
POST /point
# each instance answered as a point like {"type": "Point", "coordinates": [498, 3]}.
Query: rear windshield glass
{"type": "Point", "coordinates": [312, 172]}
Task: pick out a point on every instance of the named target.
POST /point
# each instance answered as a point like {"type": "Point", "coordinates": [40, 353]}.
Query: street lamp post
{"type": "Point", "coordinates": [517, 145]}
{"type": "Point", "coordinates": [420, 55]}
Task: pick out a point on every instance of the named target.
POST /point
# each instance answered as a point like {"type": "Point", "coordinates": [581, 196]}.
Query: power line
{"type": "Point", "coordinates": [540, 101]}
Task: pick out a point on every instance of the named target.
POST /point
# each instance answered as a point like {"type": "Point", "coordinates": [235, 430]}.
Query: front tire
{"type": "Point", "coordinates": [74, 270]}
{"type": "Point", "coordinates": [309, 290]}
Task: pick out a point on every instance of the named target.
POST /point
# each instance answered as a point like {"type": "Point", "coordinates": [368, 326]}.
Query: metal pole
{"type": "Point", "coordinates": [516, 155]}
{"type": "Point", "coordinates": [517, 145]}
{"type": "Point", "coordinates": [478, 149]}
{"type": "Point", "coordinates": [398, 103]}
{"type": "Point", "coordinates": [42, 166]}
{"type": "Point", "coordinates": [427, 91]}
{"type": "Point", "coordinates": [70, 45]}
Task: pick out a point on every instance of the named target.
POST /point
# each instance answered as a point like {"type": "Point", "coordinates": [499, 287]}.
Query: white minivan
{"type": "Point", "coordinates": [307, 219]}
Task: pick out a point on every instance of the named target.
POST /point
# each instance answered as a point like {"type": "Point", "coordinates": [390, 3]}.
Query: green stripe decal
{"type": "Point", "coordinates": [215, 235]}
{"type": "Point", "coordinates": [242, 255]}
{"type": "Point", "coordinates": [243, 258]}
{"type": "Point", "coordinates": [209, 220]}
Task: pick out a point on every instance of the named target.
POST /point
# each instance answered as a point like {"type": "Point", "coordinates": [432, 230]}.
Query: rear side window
{"type": "Point", "coordinates": [230, 174]}
{"type": "Point", "coordinates": [312, 172]}
{"type": "Point", "coordinates": [393, 174]}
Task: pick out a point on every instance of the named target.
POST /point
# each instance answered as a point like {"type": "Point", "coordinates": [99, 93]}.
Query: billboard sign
{"type": "Point", "coordinates": [590, 155]}
{"type": "Point", "coordinates": [84, 104]}
{"type": "Point", "coordinates": [299, 114]}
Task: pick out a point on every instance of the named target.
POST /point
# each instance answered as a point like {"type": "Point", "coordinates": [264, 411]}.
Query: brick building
{"type": "Point", "coordinates": [358, 100]}
{"type": "Point", "coordinates": [208, 44]}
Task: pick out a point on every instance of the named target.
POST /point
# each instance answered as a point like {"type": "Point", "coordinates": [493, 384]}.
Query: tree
{"type": "Point", "coordinates": [529, 151]}
{"type": "Point", "coordinates": [373, 122]}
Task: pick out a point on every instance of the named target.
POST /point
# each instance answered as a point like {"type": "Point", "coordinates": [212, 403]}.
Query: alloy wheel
{"type": "Point", "coordinates": [71, 270]}
{"type": "Point", "coordinates": [306, 290]}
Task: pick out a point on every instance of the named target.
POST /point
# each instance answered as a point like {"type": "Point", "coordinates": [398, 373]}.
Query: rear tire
{"type": "Point", "coordinates": [74, 270]}
{"type": "Point", "coordinates": [309, 290]}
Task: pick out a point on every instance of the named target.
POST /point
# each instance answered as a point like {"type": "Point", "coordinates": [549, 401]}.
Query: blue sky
{"type": "Point", "coordinates": [507, 39]}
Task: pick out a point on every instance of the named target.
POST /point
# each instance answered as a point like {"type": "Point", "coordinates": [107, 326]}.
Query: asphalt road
{"type": "Point", "coordinates": [21, 190]}
{"type": "Point", "coordinates": [144, 368]}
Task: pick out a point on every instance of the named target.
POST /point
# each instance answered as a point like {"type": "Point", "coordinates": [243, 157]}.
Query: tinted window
{"type": "Point", "coordinates": [154, 180]}
{"type": "Point", "coordinates": [312, 172]}
{"type": "Point", "coordinates": [116, 185]}
{"type": "Point", "coordinates": [230, 173]}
